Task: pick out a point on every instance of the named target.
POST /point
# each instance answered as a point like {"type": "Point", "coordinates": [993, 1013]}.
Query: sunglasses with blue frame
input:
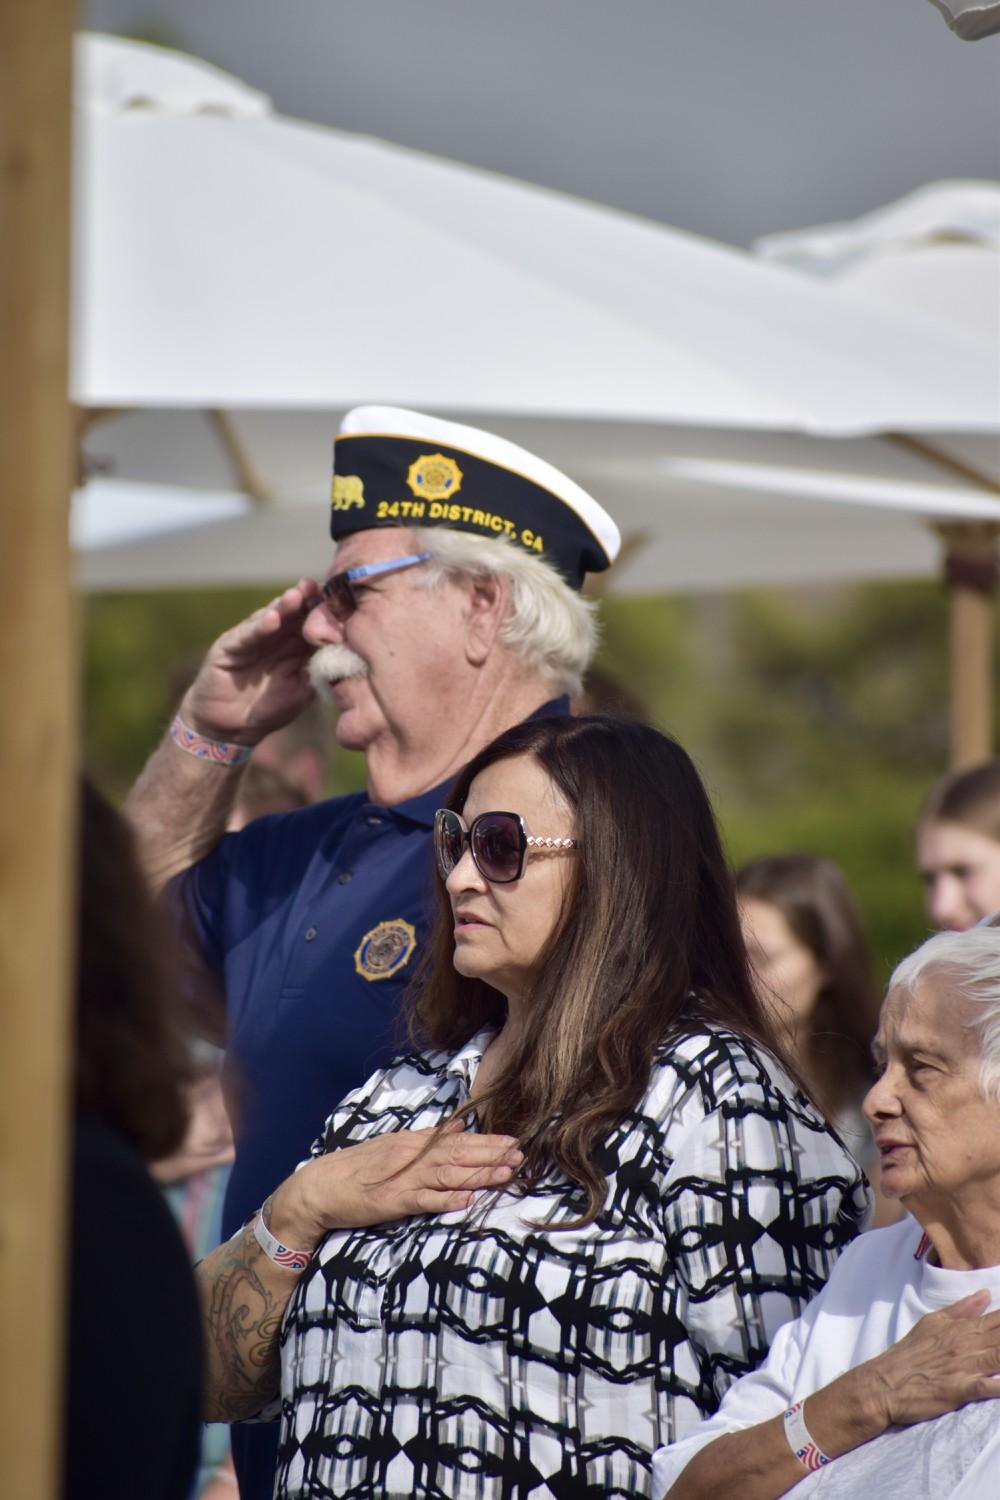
{"type": "Point", "coordinates": [338, 593]}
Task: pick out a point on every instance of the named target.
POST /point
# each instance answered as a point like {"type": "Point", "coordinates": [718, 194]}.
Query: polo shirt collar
{"type": "Point", "coordinates": [421, 809]}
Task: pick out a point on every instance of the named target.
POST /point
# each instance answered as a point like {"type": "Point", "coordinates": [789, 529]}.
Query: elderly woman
{"type": "Point", "coordinates": [907, 1328]}
{"type": "Point", "coordinates": [664, 1196]}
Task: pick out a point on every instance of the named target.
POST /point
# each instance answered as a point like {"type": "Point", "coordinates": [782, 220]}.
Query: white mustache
{"type": "Point", "coordinates": [331, 664]}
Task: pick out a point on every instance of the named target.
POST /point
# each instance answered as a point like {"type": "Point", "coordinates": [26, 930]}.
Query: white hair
{"type": "Point", "coordinates": [550, 628]}
{"type": "Point", "coordinates": [969, 964]}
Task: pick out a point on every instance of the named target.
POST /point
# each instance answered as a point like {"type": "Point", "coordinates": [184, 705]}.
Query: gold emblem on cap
{"type": "Point", "coordinates": [434, 477]}
{"type": "Point", "coordinates": [385, 950]}
{"type": "Point", "coordinates": [347, 491]}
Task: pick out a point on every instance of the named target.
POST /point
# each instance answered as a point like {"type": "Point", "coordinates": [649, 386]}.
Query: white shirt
{"type": "Point", "coordinates": [878, 1290]}
{"type": "Point", "coordinates": [476, 1355]}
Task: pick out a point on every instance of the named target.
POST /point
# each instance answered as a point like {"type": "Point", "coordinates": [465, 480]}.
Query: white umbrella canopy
{"type": "Point", "coordinates": [958, 210]}
{"type": "Point", "coordinates": [936, 251]}
{"type": "Point", "coordinates": [971, 19]}
{"type": "Point", "coordinates": [108, 514]}
{"type": "Point", "coordinates": [226, 257]}
{"type": "Point", "coordinates": [699, 508]}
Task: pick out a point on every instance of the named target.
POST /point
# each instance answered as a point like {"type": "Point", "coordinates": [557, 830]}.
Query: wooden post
{"type": "Point", "coordinates": [37, 796]}
{"type": "Point", "coordinates": [971, 575]}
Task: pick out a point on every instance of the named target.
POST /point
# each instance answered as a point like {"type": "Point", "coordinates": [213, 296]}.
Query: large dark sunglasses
{"type": "Point", "coordinates": [498, 843]}
{"type": "Point", "coordinates": [338, 593]}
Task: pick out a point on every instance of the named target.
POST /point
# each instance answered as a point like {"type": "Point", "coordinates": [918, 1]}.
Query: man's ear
{"type": "Point", "coordinates": [487, 606]}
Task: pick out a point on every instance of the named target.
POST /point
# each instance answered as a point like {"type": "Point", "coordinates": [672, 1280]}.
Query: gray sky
{"type": "Point", "coordinates": [728, 117]}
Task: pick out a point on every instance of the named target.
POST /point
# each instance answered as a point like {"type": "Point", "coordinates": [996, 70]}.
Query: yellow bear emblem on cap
{"type": "Point", "coordinates": [347, 491]}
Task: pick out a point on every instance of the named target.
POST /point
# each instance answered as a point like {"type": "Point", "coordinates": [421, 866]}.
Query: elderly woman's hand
{"type": "Point", "coordinates": [391, 1176]}
{"type": "Point", "coordinates": [947, 1359]}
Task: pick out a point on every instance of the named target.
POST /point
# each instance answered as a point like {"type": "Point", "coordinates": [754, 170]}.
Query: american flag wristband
{"type": "Point", "coordinates": [808, 1452]}
{"type": "Point", "coordinates": [291, 1260]}
{"type": "Point", "coordinates": [216, 751]}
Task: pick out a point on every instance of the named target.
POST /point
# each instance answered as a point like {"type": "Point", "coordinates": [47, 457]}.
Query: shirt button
{"type": "Point", "coordinates": [310, 934]}
{"type": "Point", "coordinates": [345, 877]}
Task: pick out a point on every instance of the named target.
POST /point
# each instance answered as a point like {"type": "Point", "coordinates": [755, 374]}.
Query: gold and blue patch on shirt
{"type": "Point", "coordinates": [385, 950]}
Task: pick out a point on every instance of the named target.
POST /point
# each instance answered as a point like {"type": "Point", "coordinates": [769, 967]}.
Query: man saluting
{"type": "Point", "coordinates": [451, 612]}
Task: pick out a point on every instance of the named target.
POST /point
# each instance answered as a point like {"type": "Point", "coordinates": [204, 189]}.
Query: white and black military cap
{"type": "Point", "coordinates": [393, 467]}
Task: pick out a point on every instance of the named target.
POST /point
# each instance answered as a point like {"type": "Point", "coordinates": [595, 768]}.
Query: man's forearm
{"type": "Point", "coordinates": [243, 1296]}
{"type": "Point", "coordinates": [178, 809]}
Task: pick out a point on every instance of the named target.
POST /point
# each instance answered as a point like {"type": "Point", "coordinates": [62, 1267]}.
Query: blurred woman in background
{"type": "Point", "coordinates": [958, 847]}
{"type": "Point", "coordinates": [808, 948]}
{"type": "Point", "coordinates": [134, 1361]}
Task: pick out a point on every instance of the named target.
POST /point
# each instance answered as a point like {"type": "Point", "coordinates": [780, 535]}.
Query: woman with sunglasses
{"type": "Point", "coordinates": [675, 1198]}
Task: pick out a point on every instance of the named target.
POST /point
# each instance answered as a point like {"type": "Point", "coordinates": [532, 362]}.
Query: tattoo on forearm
{"type": "Point", "coordinates": [242, 1325]}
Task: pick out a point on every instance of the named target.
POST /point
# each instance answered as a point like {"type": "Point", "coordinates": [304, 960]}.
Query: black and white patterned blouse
{"type": "Point", "coordinates": [473, 1357]}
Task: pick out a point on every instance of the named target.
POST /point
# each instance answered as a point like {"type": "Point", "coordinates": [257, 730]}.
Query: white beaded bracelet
{"type": "Point", "coordinates": [805, 1447]}
{"type": "Point", "coordinates": [291, 1260]}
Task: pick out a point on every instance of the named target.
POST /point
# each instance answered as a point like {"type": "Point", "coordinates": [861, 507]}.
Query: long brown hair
{"type": "Point", "coordinates": [648, 947]}
{"type": "Point", "coordinates": [813, 897]}
{"type": "Point", "coordinates": [131, 1060]}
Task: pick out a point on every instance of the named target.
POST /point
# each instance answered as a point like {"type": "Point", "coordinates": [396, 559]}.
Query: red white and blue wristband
{"type": "Point", "coordinates": [808, 1452]}
{"type": "Point", "coordinates": [216, 751]}
{"type": "Point", "coordinates": [291, 1260]}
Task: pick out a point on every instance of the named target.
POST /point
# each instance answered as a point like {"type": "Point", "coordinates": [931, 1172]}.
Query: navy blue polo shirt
{"type": "Point", "coordinates": [314, 918]}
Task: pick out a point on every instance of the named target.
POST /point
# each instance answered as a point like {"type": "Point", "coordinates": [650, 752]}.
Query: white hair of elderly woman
{"type": "Point", "coordinates": [969, 962]}
{"type": "Point", "coordinates": [551, 628]}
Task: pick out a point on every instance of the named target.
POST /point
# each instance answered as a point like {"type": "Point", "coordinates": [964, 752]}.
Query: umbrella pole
{"type": "Point", "coordinates": [37, 801]}
{"type": "Point", "coordinates": [248, 476]}
{"type": "Point", "coordinates": [970, 571]}
{"type": "Point", "coordinates": [970, 575]}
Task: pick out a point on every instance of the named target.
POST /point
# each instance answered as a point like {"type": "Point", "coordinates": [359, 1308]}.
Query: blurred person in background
{"type": "Point", "coordinates": [809, 951]}
{"type": "Point", "coordinates": [134, 1360]}
{"type": "Point", "coordinates": [886, 1383]}
{"type": "Point", "coordinates": [958, 847]}
{"type": "Point", "coordinates": [299, 753]}
{"type": "Point", "coordinates": [452, 610]}
{"type": "Point", "coordinates": [194, 1180]}
{"type": "Point", "coordinates": [604, 693]}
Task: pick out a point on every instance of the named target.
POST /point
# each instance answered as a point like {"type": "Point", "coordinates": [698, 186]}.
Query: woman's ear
{"type": "Point", "coordinates": [487, 606]}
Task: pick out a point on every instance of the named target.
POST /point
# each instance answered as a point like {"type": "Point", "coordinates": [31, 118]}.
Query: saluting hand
{"type": "Point", "coordinates": [253, 679]}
